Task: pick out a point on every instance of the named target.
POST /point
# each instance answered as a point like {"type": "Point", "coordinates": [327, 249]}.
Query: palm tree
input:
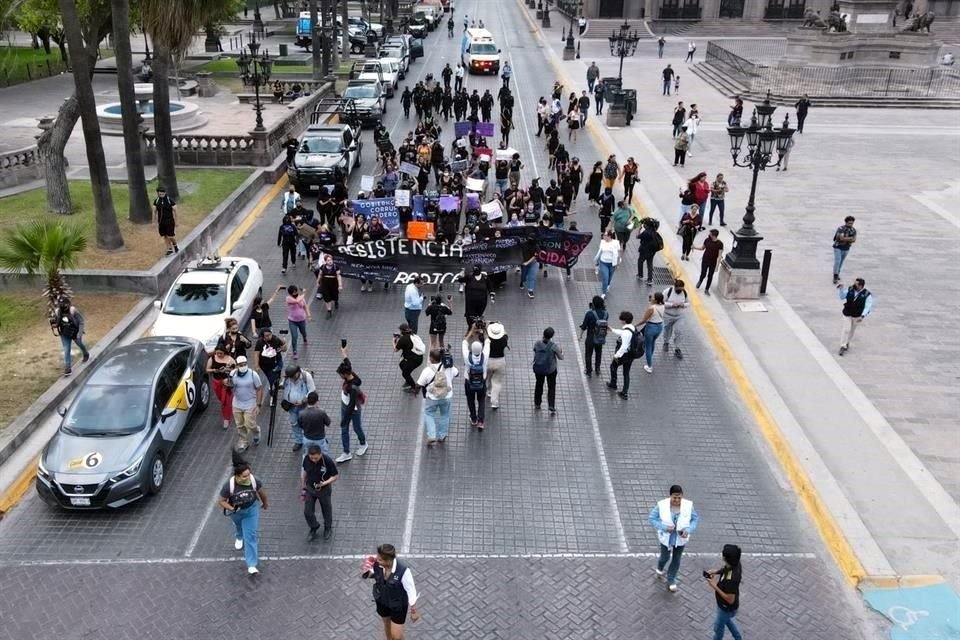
{"type": "Point", "coordinates": [46, 247]}
{"type": "Point", "coordinates": [139, 211]}
{"type": "Point", "coordinates": [172, 25]}
{"type": "Point", "coordinates": [107, 228]}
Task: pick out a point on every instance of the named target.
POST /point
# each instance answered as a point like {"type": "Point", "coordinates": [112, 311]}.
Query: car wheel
{"type": "Point", "coordinates": [156, 474]}
{"type": "Point", "coordinates": [203, 394]}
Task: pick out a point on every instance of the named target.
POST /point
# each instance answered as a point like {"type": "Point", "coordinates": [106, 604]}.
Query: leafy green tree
{"type": "Point", "coordinates": [47, 247]}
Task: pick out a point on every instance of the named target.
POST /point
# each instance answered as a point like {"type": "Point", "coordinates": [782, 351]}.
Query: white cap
{"type": "Point", "coordinates": [241, 359]}
{"type": "Point", "coordinates": [476, 348]}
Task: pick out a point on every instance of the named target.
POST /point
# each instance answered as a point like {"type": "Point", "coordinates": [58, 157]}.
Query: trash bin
{"type": "Point", "coordinates": [610, 84]}
{"type": "Point", "coordinates": [283, 50]}
{"type": "Point", "coordinates": [630, 100]}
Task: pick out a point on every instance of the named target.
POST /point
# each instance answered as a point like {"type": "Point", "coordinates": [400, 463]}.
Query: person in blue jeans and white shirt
{"type": "Point", "coordinates": [69, 325]}
{"type": "Point", "coordinates": [413, 304]}
{"type": "Point", "coordinates": [674, 520]}
{"type": "Point", "coordinates": [436, 382]}
{"type": "Point", "coordinates": [242, 497]}
{"type": "Point", "coordinates": [725, 583]}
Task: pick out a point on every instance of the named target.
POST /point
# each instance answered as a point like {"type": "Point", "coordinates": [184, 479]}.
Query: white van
{"type": "Point", "coordinates": [480, 52]}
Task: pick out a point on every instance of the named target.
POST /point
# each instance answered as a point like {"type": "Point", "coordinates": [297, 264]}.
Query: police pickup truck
{"type": "Point", "coordinates": [326, 154]}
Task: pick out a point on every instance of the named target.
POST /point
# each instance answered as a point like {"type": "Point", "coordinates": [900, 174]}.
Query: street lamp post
{"type": "Point", "coordinates": [762, 141]}
{"type": "Point", "coordinates": [255, 69]}
{"type": "Point", "coordinates": [622, 45]}
{"type": "Point", "coordinates": [569, 51]}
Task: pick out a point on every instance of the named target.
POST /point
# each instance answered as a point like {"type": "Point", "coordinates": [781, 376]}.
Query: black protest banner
{"type": "Point", "coordinates": [400, 260]}
{"type": "Point", "coordinates": [555, 247]}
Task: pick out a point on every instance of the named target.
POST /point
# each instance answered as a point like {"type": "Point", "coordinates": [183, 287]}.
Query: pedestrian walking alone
{"type": "Point", "coordinates": [475, 381]}
{"type": "Point", "coordinates": [712, 247]}
{"type": "Point", "coordinates": [725, 583]}
{"type": "Point", "coordinates": [394, 590]}
{"type": "Point", "coordinates": [594, 330]}
{"type": "Point", "coordinates": [412, 304]}
{"type": "Point", "coordinates": [691, 50]}
{"type": "Point", "coordinates": [674, 519]}
{"type": "Point", "coordinates": [498, 343]}
{"type": "Point", "coordinates": [165, 215]}
{"type": "Point", "coordinates": [843, 239]}
{"type": "Point", "coordinates": [802, 106]}
{"type": "Point", "coordinates": [607, 260]}
{"type": "Point", "coordinates": [68, 323]}
{"type": "Point", "coordinates": [352, 400]}
{"type": "Point", "coordinates": [593, 72]}
{"type": "Point", "coordinates": [660, 44]}
{"type": "Point", "coordinates": [599, 94]}
{"type": "Point", "coordinates": [317, 475]}
{"type": "Point", "coordinates": [297, 386]}
{"type": "Point", "coordinates": [412, 349]}
{"type": "Point", "coordinates": [298, 313]}
{"type": "Point", "coordinates": [436, 381]}
{"type": "Point", "coordinates": [287, 236]}
{"type": "Point", "coordinates": [650, 244]}
{"type": "Point", "coordinates": [546, 352]}
{"type": "Point", "coordinates": [680, 145]}
{"type": "Point", "coordinates": [857, 304]}
{"type": "Point", "coordinates": [667, 75]}
{"type": "Point", "coordinates": [242, 497]}
{"type": "Point", "coordinates": [674, 302]}
{"type": "Point", "coordinates": [718, 192]}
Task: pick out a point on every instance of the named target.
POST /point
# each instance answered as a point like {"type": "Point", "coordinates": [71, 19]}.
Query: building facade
{"type": "Point", "coordinates": [745, 9]}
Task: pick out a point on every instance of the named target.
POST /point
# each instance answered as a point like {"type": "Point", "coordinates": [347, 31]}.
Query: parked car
{"type": "Point", "coordinates": [372, 69]}
{"type": "Point", "coordinates": [115, 440]}
{"type": "Point", "coordinates": [207, 293]}
{"type": "Point", "coordinates": [361, 23]}
{"type": "Point", "coordinates": [397, 52]}
{"type": "Point", "coordinates": [368, 99]}
{"type": "Point", "coordinates": [416, 48]}
{"type": "Point", "coordinates": [325, 155]}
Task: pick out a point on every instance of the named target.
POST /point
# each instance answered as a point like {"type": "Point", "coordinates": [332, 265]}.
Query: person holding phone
{"type": "Point", "coordinates": [219, 366]}
{"type": "Point", "coordinates": [674, 519]}
{"type": "Point", "coordinates": [394, 590]}
{"type": "Point", "coordinates": [298, 312]}
{"type": "Point", "coordinates": [242, 497]}
{"type": "Point", "coordinates": [725, 583]}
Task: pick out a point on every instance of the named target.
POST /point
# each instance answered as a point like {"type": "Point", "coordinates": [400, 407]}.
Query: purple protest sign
{"type": "Point", "coordinates": [473, 201]}
{"type": "Point", "coordinates": [449, 203]}
{"type": "Point", "coordinates": [485, 129]}
{"type": "Point", "coordinates": [461, 129]}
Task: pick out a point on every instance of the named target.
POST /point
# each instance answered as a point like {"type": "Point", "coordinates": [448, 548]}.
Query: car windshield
{"type": "Point", "coordinates": [360, 91]}
{"type": "Point", "coordinates": [320, 145]}
{"type": "Point", "coordinates": [483, 48]}
{"type": "Point", "coordinates": [108, 410]}
{"type": "Point", "coordinates": [187, 299]}
{"type": "Point", "coordinates": [391, 52]}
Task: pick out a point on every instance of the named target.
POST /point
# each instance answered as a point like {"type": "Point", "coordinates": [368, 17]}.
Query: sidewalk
{"type": "Point", "coordinates": [876, 473]}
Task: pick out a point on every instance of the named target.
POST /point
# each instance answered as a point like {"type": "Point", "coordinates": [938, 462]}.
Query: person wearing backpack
{"type": "Point", "coordinates": [287, 236]}
{"type": "Point", "coordinates": [651, 325]}
{"type": "Point", "coordinates": [629, 348]}
{"type": "Point", "coordinates": [67, 322]}
{"type": "Point", "coordinates": [595, 328]}
{"type": "Point", "coordinates": [675, 301]}
{"type": "Point", "coordinates": [546, 352]}
{"type": "Point", "coordinates": [475, 381]}
{"type": "Point", "coordinates": [438, 312]}
{"type": "Point", "coordinates": [411, 348]}
{"type": "Point", "coordinates": [242, 497]}
{"type": "Point", "coordinates": [436, 381]}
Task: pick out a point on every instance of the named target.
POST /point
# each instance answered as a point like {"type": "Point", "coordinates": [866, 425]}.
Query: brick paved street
{"type": "Point", "coordinates": [512, 533]}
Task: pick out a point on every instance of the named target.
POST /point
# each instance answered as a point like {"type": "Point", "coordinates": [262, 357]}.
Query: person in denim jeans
{"type": "Point", "coordinates": [843, 239]}
{"type": "Point", "coordinates": [351, 408]}
{"type": "Point", "coordinates": [68, 323]}
{"type": "Point", "coordinates": [437, 398]}
{"type": "Point", "coordinates": [314, 422]}
{"type": "Point", "coordinates": [298, 312]}
{"type": "Point", "coordinates": [674, 519]}
{"type": "Point", "coordinates": [242, 497]}
{"type": "Point", "coordinates": [296, 388]}
{"type": "Point", "coordinates": [725, 583]}
{"type": "Point", "coordinates": [651, 324]}
{"type": "Point", "coordinates": [528, 274]}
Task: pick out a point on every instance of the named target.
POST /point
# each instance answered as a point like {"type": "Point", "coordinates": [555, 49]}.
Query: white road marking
{"type": "Point", "coordinates": [591, 408]}
{"type": "Point", "coordinates": [195, 538]}
{"type": "Point", "coordinates": [110, 562]}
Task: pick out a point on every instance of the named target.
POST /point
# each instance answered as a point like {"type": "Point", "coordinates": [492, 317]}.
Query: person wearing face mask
{"type": "Point", "coordinates": [235, 344]}
{"type": "Point", "coordinates": [67, 322]}
{"type": "Point", "coordinates": [242, 497]}
{"type": "Point", "coordinates": [247, 396]}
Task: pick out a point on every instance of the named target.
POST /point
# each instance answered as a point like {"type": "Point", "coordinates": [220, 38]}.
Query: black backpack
{"type": "Point", "coordinates": [601, 328]}
{"type": "Point", "coordinates": [475, 381]}
{"type": "Point", "coordinates": [635, 351]}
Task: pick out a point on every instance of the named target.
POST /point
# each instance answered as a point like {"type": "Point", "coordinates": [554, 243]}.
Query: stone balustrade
{"type": "Point", "coordinates": [19, 166]}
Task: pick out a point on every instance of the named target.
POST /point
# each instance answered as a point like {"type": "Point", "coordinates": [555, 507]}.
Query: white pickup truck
{"type": "Point", "coordinates": [387, 74]}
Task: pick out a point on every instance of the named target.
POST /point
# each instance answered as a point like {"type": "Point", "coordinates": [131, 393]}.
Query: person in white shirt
{"type": "Point", "coordinates": [475, 361]}
{"type": "Point", "coordinates": [674, 302]}
{"type": "Point", "coordinates": [394, 591]}
{"type": "Point", "coordinates": [692, 124]}
{"type": "Point", "coordinates": [691, 49]}
{"type": "Point", "coordinates": [436, 381]}
{"type": "Point", "coordinates": [413, 303]}
{"type": "Point", "coordinates": [607, 260]}
{"type": "Point", "coordinates": [458, 77]}
{"type": "Point", "coordinates": [290, 200]}
{"type": "Point", "coordinates": [622, 357]}
{"type": "Point", "coordinates": [674, 519]}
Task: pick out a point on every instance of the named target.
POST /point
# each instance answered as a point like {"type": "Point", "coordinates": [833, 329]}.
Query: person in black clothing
{"type": "Point", "coordinates": [446, 103]}
{"type": "Point", "coordinates": [607, 204]}
{"type": "Point", "coordinates": [667, 79]}
{"type": "Point", "coordinates": [648, 248]}
{"type": "Point", "coordinates": [725, 583]}
{"type": "Point", "coordinates": [595, 339]}
{"type": "Point", "coordinates": [536, 194]}
{"type": "Point", "coordinates": [476, 289]}
{"type": "Point", "coordinates": [268, 357]}
{"type": "Point", "coordinates": [447, 75]}
{"type": "Point", "coordinates": [165, 215]}
{"type": "Point", "coordinates": [287, 241]}
{"type": "Point", "coordinates": [474, 101]}
{"type": "Point", "coordinates": [291, 146]}
{"type": "Point", "coordinates": [486, 105]}
{"type": "Point", "coordinates": [316, 483]}
{"type": "Point", "coordinates": [438, 311]}
{"type": "Point", "coordinates": [409, 359]}
{"type": "Point", "coordinates": [584, 104]}
{"type": "Point", "coordinates": [803, 105]}
{"type": "Point", "coordinates": [351, 408]}
{"type": "Point", "coordinates": [393, 591]}
{"type": "Point", "coordinates": [234, 343]}
{"type": "Point", "coordinates": [460, 104]}
{"type": "Point", "coordinates": [326, 208]}
{"type": "Point", "coordinates": [406, 99]}
{"type": "Point", "coordinates": [599, 93]}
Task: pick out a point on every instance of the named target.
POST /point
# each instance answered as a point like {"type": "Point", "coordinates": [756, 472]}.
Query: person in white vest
{"type": "Point", "coordinates": [674, 520]}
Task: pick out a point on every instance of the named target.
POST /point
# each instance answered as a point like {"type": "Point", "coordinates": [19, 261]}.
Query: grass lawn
{"type": "Point", "coordinates": [22, 64]}
{"type": "Point", "coordinates": [230, 67]}
{"type": "Point", "coordinates": [201, 191]}
{"type": "Point", "coordinates": [25, 338]}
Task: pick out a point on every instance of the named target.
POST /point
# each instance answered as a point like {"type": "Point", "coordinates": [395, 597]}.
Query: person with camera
{"type": "Point", "coordinates": [297, 386]}
{"type": "Point", "coordinates": [394, 590]}
{"type": "Point", "coordinates": [476, 290]}
{"type": "Point", "coordinates": [412, 350]}
{"type": "Point", "coordinates": [235, 344]}
{"type": "Point", "coordinates": [247, 397]}
{"type": "Point", "coordinates": [352, 400]}
{"type": "Point", "coordinates": [318, 474]}
{"type": "Point", "coordinates": [67, 322]}
{"type": "Point", "coordinates": [242, 497]}
{"type": "Point", "coordinates": [496, 346]}
{"type": "Point", "coordinates": [268, 357]}
{"type": "Point", "coordinates": [674, 519]}
{"type": "Point", "coordinates": [437, 311]}
{"type": "Point", "coordinates": [725, 583]}
{"type": "Point", "coordinates": [436, 382]}
{"type": "Point", "coordinates": [628, 347]}
{"type": "Point", "coordinates": [219, 367]}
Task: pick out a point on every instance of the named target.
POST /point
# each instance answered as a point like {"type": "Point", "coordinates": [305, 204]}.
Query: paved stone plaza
{"type": "Point", "coordinates": [537, 527]}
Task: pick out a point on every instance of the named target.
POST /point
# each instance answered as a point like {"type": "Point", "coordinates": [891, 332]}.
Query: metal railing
{"type": "Point", "coordinates": [858, 82]}
{"type": "Point", "coordinates": [737, 66]}
{"type": "Point", "coordinates": [18, 74]}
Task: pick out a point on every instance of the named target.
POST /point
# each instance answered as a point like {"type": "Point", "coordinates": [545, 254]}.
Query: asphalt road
{"type": "Point", "coordinates": [535, 528]}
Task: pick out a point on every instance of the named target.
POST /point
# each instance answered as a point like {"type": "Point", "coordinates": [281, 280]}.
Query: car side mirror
{"type": "Point", "coordinates": [157, 304]}
{"type": "Point", "coordinates": [352, 147]}
{"type": "Point", "coordinates": [498, 50]}
{"type": "Point", "coordinates": [62, 411]}
{"type": "Point", "coordinates": [236, 305]}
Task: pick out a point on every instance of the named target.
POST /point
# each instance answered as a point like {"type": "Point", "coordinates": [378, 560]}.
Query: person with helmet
{"type": "Point", "coordinates": [67, 322]}
{"type": "Point", "coordinates": [298, 385]}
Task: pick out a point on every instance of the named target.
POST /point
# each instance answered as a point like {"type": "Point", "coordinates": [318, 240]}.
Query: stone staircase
{"type": "Point", "coordinates": [601, 28]}
{"type": "Point", "coordinates": [724, 28]}
{"type": "Point", "coordinates": [730, 87]}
